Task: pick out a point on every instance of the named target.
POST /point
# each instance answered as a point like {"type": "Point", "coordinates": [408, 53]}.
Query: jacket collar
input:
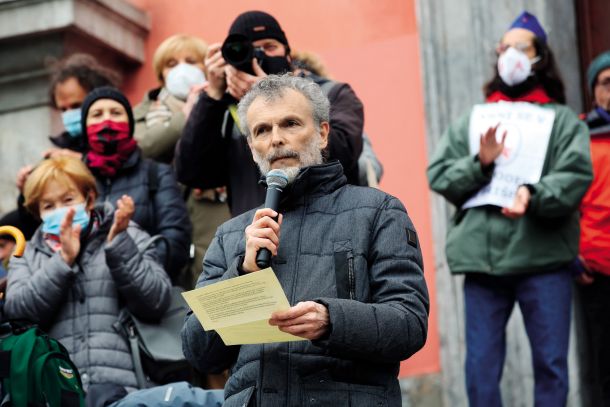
{"type": "Point", "coordinates": [316, 180]}
{"type": "Point", "coordinates": [598, 126]}
{"type": "Point", "coordinates": [132, 161]}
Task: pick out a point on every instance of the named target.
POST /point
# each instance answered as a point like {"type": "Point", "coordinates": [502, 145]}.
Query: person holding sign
{"type": "Point", "coordinates": [347, 258]}
{"type": "Point", "coordinates": [516, 169]}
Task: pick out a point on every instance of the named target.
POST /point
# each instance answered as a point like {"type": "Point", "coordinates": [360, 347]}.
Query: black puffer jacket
{"type": "Point", "coordinates": [331, 232]}
{"type": "Point", "coordinates": [159, 210]}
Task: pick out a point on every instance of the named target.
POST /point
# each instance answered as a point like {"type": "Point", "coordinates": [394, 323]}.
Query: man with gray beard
{"type": "Point", "coordinates": [348, 259]}
{"type": "Point", "coordinates": [212, 152]}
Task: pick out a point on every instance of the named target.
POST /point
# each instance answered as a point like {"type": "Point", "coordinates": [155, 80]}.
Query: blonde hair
{"type": "Point", "coordinates": [65, 170]}
{"type": "Point", "coordinates": [174, 44]}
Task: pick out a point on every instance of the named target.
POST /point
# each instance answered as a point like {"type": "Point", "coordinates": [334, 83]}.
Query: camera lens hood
{"type": "Point", "coordinates": [238, 51]}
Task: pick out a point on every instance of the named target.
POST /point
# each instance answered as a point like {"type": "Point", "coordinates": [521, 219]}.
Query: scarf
{"type": "Point", "coordinates": [535, 95]}
{"type": "Point", "coordinates": [110, 145]}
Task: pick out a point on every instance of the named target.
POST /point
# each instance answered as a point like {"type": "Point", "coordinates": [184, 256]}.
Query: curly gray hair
{"type": "Point", "coordinates": [272, 87]}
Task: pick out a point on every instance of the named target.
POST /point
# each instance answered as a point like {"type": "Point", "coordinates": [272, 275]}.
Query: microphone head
{"type": "Point", "coordinates": [277, 178]}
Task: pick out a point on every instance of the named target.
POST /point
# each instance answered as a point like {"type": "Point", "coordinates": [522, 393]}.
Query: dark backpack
{"type": "Point", "coordinates": [36, 370]}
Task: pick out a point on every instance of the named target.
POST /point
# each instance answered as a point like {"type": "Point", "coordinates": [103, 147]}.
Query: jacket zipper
{"type": "Point", "coordinates": [289, 375]}
{"type": "Point", "coordinates": [350, 275]}
{"type": "Point", "coordinates": [107, 190]}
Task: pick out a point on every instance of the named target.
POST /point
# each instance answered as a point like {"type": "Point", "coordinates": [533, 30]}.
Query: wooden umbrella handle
{"type": "Point", "coordinates": [18, 236]}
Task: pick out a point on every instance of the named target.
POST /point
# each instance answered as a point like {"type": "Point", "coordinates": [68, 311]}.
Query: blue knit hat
{"type": "Point", "coordinates": [601, 62]}
{"type": "Point", "coordinates": [529, 22]}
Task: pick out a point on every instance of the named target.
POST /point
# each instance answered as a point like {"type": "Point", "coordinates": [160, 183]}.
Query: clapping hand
{"type": "Point", "coordinates": [69, 237]}
{"type": "Point", "coordinates": [122, 216]}
{"type": "Point", "coordinates": [489, 148]}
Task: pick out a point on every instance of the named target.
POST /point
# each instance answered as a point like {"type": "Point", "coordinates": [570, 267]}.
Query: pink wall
{"type": "Point", "coordinates": [371, 44]}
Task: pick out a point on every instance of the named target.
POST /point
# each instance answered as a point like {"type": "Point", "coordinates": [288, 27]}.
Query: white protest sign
{"type": "Point", "coordinates": [528, 129]}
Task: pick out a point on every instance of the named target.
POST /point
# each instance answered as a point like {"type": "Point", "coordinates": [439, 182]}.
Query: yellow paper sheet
{"type": "Point", "coordinates": [239, 308]}
{"type": "Point", "coordinates": [254, 332]}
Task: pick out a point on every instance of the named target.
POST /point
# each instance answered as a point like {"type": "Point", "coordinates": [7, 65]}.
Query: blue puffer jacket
{"type": "Point", "coordinates": [78, 305]}
{"type": "Point", "coordinates": [350, 248]}
{"type": "Point", "coordinates": [159, 211]}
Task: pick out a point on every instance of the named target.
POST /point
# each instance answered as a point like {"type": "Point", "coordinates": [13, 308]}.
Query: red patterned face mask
{"type": "Point", "coordinates": [110, 145]}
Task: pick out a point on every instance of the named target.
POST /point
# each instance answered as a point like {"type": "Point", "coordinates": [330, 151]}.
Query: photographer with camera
{"type": "Point", "coordinates": [213, 153]}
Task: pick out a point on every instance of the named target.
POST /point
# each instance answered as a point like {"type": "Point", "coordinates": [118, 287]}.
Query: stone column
{"type": "Point", "coordinates": [457, 42]}
{"type": "Point", "coordinates": [34, 32]}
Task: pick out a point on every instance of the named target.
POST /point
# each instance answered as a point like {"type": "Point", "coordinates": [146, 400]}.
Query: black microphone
{"type": "Point", "coordinates": [276, 182]}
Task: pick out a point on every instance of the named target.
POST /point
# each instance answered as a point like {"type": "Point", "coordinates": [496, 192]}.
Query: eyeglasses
{"type": "Point", "coordinates": [519, 46]}
{"type": "Point", "coordinates": [605, 83]}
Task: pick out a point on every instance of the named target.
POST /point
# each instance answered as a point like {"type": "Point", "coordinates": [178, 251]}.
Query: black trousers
{"type": "Point", "coordinates": [595, 300]}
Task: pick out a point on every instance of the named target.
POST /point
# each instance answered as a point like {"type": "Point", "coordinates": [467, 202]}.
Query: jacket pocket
{"type": "Point", "coordinates": [344, 269]}
{"type": "Point", "coordinates": [245, 398]}
{"type": "Point", "coordinates": [321, 390]}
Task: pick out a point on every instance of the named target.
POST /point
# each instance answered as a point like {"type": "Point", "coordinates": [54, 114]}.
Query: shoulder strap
{"type": "Point", "coordinates": [233, 112]}
{"type": "Point", "coordinates": [153, 178]}
{"type": "Point", "coordinates": [21, 357]}
{"type": "Point", "coordinates": [153, 186]}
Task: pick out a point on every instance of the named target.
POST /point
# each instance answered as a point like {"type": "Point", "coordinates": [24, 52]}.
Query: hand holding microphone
{"type": "Point", "coordinates": [263, 234]}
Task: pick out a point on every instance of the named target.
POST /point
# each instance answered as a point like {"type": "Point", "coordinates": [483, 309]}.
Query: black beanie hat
{"type": "Point", "coordinates": [258, 25]}
{"type": "Point", "coordinates": [105, 92]}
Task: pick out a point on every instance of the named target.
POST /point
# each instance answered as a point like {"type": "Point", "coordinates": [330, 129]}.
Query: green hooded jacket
{"type": "Point", "coordinates": [483, 240]}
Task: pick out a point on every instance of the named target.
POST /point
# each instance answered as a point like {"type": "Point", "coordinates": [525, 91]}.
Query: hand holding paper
{"type": "Point", "coordinates": [522, 200]}
{"type": "Point", "coordinates": [239, 309]}
{"type": "Point", "coordinates": [307, 319]}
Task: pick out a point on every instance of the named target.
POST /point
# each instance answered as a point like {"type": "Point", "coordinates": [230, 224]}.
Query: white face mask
{"type": "Point", "coordinates": [181, 78]}
{"type": "Point", "coordinates": [514, 66]}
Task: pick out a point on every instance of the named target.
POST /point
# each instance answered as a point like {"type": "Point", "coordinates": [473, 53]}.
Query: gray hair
{"type": "Point", "coordinates": [272, 87]}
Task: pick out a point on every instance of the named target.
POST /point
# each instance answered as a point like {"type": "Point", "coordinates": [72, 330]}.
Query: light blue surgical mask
{"type": "Point", "coordinates": [71, 119]}
{"type": "Point", "coordinates": [52, 220]}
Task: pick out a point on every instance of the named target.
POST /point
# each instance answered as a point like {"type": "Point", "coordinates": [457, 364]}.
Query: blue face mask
{"type": "Point", "coordinates": [52, 220]}
{"type": "Point", "coordinates": [71, 119]}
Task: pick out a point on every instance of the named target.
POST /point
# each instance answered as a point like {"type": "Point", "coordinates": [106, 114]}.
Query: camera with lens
{"type": "Point", "coordinates": [238, 51]}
